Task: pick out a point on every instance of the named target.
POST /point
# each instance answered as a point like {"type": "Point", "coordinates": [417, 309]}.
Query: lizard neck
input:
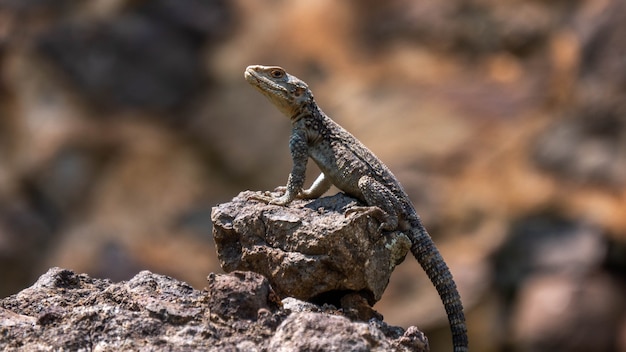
{"type": "Point", "coordinates": [309, 108]}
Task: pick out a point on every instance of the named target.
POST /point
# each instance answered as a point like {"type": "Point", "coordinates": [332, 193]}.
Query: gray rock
{"type": "Point", "coordinates": [239, 311]}
{"type": "Point", "coordinates": [312, 250]}
{"type": "Point", "coordinates": [320, 332]}
{"type": "Point", "coordinates": [241, 294]}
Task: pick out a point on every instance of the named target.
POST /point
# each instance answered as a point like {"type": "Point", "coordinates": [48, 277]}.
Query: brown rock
{"type": "Point", "coordinates": [557, 312]}
{"type": "Point", "coordinates": [306, 331]}
{"type": "Point", "coordinates": [311, 250]}
{"type": "Point", "coordinates": [240, 294]}
{"type": "Point", "coordinates": [67, 311]}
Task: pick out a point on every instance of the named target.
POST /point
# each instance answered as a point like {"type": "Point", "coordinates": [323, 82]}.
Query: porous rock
{"type": "Point", "coordinates": [312, 250]}
{"type": "Point", "coordinates": [74, 312]}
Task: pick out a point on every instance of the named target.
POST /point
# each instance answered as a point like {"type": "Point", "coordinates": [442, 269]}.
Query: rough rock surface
{"type": "Point", "coordinates": [312, 250]}
{"type": "Point", "coordinates": [238, 311]}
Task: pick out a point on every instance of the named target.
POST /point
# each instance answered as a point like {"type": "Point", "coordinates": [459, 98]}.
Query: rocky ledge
{"type": "Point", "coordinates": [302, 278]}
{"type": "Point", "coordinates": [236, 312]}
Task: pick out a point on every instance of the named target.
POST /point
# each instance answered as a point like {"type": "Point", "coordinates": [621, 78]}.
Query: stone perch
{"type": "Point", "coordinates": [65, 311]}
{"type": "Point", "coordinates": [314, 250]}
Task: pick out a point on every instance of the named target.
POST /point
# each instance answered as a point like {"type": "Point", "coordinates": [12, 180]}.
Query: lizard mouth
{"type": "Point", "coordinates": [250, 75]}
{"type": "Point", "coordinates": [261, 82]}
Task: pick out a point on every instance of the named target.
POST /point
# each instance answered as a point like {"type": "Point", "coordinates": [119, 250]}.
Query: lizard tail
{"type": "Point", "coordinates": [424, 250]}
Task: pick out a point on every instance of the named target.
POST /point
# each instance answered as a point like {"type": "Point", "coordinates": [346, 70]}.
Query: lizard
{"type": "Point", "coordinates": [346, 163]}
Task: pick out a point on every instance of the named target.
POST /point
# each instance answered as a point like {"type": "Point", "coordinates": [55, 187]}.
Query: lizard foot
{"type": "Point", "coordinates": [284, 200]}
{"type": "Point", "coordinates": [262, 198]}
{"type": "Point", "coordinates": [269, 199]}
{"type": "Point", "coordinates": [386, 221]}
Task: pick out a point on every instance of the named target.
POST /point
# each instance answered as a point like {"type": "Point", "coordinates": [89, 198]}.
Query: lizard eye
{"type": "Point", "coordinates": [276, 73]}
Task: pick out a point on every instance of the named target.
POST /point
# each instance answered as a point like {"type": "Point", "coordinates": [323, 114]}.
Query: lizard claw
{"type": "Point", "coordinates": [269, 199]}
{"type": "Point", "coordinates": [284, 200]}
{"type": "Point", "coordinates": [265, 198]}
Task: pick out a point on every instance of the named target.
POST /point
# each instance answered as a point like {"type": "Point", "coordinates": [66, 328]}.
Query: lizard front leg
{"type": "Point", "coordinates": [299, 154]}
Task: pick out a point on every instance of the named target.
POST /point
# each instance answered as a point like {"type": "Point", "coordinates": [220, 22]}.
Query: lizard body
{"type": "Point", "coordinates": [346, 163]}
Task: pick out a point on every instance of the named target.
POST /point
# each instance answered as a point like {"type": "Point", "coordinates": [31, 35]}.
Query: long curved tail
{"type": "Point", "coordinates": [424, 250]}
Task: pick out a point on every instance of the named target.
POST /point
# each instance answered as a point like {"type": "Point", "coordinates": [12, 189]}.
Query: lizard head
{"type": "Point", "coordinates": [288, 93]}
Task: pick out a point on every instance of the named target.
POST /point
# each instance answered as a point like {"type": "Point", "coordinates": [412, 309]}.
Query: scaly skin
{"type": "Point", "coordinates": [350, 166]}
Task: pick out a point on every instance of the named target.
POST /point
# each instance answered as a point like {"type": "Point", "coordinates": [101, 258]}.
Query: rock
{"type": "Point", "coordinates": [150, 57]}
{"type": "Point", "coordinates": [316, 332]}
{"type": "Point", "coordinates": [241, 294]}
{"type": "Point", "coordinates": [239, 311]}
{"type": "Point", "coordinates": [130, 62]}
{"type": "Point", "coordinates": [547, 242]}
{"type": "Point", "coordinates": [557, 312]}
{"type": "Point", "coordinates": [312, 250]}
{"type": "Point", "coordinates": [290, 335]}
{"type": "Point", "coordinates": [464, 27]}
{"type": "Point", "coordinates": [586, 143]}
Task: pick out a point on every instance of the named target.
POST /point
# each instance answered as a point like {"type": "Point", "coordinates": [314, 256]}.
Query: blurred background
{"type": "Point", "coordinates": [122, 122]}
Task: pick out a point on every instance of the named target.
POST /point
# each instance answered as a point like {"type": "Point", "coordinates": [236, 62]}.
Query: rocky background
{"type": "Point", "coordinates": [123, 122]}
